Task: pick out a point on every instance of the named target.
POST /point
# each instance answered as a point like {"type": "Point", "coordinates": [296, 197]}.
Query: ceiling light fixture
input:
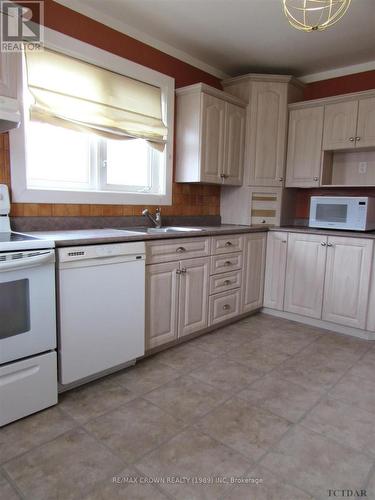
{"type": "Point", "coordinates": [314, 15]}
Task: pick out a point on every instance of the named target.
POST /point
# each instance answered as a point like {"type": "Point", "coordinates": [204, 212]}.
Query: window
{"type": "Point", "coordinates": [86, 142]}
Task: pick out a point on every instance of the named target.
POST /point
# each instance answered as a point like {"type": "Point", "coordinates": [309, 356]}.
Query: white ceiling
{"type": "Point", "coordinates": [234, 37]}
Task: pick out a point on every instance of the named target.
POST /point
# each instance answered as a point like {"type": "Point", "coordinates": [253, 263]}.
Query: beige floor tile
{"type": "Point", "coordinates": [146, 375]}
{"type": "Point", "coordinates": [226, 375]}
{"type": "Point", "coordinates": [184, 357]}
{"type": "Point", "coordinates": [370, 488]}
{"type": "Point", "coordinates": [365, 367]}
{"type": "Point", "coordinates": [283, 342]}
{"type": "Point", "coordinates": [64, 468]}
{"type": "Point", "coordinates": [358, 391]}
{"type": "Point", "coordinates": [338, 350]}
{"type": "Point", "coordinates": [347, 424]}
{"type": "Point", "coordinates": [127, 485]}
{"type": "Point", "coordinates": [284, 398]}
{"type": "Point", "coordinates": [25, 434]}
{"type": "Point", "coordinates": [258, 357]}
{"type": "Point", "coordinates": [187, 398]}
{"type": "Point", "coordinates": [134, 429]}
{"type": "Point", "coordinates": [92, 400]}
{"type": "Point", "coordinates": [193, 455]}
{"type": "Point", "coordinates": [271, 488]}
{"type": "Point", "coordinates": [7, 492]}
{"type": "Point", "coordinates": [215, 343]}
{"type": "Point", "coordinates": [244, 427]}
{"type": "Point", "coordinates": [317, 464]}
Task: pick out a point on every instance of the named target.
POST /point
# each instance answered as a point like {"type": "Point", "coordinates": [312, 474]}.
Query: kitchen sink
{"type": "Point", "coordinates": [165, 229]}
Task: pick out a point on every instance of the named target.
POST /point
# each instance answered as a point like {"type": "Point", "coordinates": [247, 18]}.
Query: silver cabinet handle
{"type": "Point", "coordinates": [281, 179]}
{"type": "Point", "coordinates": [357, 139]}
{"type": "Point", "coordinates": [283, 241]}
{"type": "Point", "coordinates": [183, 270]}
{"type": "Point", "coordinates": [181, 249]}
{"type": "Point", "coordinates": [323, 243]}
{"type": "Point", "coordinates": [227, 282]}
{"type": "Point", "coordinates": [316, 178]}
{"type": "Point", "coordinates": [351, 139]}
{"type": "Point", "coordinates": [228, 244]}
{"type": "Point", "coordinates": [264, 221]}
{"type": "Point", "coordinates": [178, 271]}
{"type": "Point", "coordinates": [227, 263]}
{"type": "Point", "coordinates": [329, 245]}
{"type": "Point", "coordinates": [226, 307]}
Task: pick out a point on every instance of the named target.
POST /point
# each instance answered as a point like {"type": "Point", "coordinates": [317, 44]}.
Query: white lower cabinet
{"type": "Point", "coordinates": [306, 260]}
{"type": "Point", "coordinates": [347, 281]}
{"type": "Point", "coordinates": [193, 297]}
{"type": "Point", "coordinates": [162, 287]}
{"type": "Point", "coordinates": [274, 281]}
{"type": "Point", "coordinates": [253, 271]}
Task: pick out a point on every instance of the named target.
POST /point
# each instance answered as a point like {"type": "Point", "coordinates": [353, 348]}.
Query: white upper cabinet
{"type": "Point", "coordinates": [304, 147]}
{"type": "Point", "coordinates": [347, 280]}
{"type": "Point", "coordinates": [210, 134]}
{"type": "Point", "coordinates": [340, 125]}
{"type": "Point", "coordinates": [266, 134]}
{"type": "Point", "coordinates": [305, 274]}
{"type": "Point", "coordinates": [366, 123]}
{"type": "Point", "coordinates": [8, 74]}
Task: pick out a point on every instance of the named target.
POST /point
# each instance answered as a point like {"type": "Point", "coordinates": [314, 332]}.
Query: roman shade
{"type": "Point", "coordinates": [74, 94]}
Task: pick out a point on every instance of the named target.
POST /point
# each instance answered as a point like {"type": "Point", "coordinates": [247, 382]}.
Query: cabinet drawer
{"type": "Point", "coordinates": [225, 281]}
{"type": "Point", "coordinates": [224, 306]}
{"type": "Point", "coordinates": [227, 244]}
{"type": "Point", "coordinates": [178, 249]}
{"type": "Point", "coordinates": [226, 263]}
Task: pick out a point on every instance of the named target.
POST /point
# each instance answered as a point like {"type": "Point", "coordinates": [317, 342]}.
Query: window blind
{"type": "Point", "coordinates": [71, 93]}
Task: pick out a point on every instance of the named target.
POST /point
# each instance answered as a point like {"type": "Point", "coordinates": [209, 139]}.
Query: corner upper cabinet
{"type": "Point", "coordinates": [340, 125]}
{"type": "Point", "coordinates": [8, 74]}
{"type": "Point", "coordinates": [366, 123]}
{"type": "Point", "coordinates": [304, 147]}
{"type": "Point", "coordinates": [210, 135]}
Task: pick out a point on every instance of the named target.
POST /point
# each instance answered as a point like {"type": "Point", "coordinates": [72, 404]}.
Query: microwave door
{"type": "Point", "coordinates": [332, 213]}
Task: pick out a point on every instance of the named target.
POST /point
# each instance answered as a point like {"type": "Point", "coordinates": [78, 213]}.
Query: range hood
{"type": "Point", "coordinates": [10, 116]}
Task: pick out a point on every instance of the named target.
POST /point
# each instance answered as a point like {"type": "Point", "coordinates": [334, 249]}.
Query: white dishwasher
{"type": "Point", "coordinates": [101, 308]}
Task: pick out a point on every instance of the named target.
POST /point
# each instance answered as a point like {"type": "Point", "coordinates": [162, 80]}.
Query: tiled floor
{"type": "Point", "coordinates": [265, 398]}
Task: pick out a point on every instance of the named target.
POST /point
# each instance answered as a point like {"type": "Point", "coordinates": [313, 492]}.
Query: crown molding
{"type": "Point", "coordinates": [126, 29]}
{"type": "Point", "coordinates": [335, 73]}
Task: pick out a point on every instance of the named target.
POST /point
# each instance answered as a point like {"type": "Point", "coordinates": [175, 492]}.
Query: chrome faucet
{"type": "Point", "coordinates": [155, 220]}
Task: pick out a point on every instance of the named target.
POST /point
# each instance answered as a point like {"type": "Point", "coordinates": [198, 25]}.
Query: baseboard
{"type": "Point", "coordinates": [326, 325]}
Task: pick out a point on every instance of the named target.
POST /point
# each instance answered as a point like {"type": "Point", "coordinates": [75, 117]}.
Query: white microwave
{"type": "Point", "coordinates": [356, 213]}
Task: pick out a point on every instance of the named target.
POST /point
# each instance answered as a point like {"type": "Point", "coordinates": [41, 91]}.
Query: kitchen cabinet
{"type": "Point", "coordinates": [306, 260]}
{"type": "Point", "coordinates": [193, 296]}
{"type": "Point", "coordinates": [304, 147]}
{"type": "Point", "coordinates": [274, 282]}
{"type": "Point", "coordinates": [347, 281]}
{"type": "Point", "coordinates": [162, 289]}
{"type": "Point", "coordinates": [340, 125]}
{"type": "Point", "coordinates": [266, 134]}
{"type": "Point", "coordinates": [8, 74]}
{"type": "Point", "coordinates": [366, 123]}
{"type": "Point", "coordinates": [210, 133]}
{"type": "Point", "coordinates": [253, 271]}
{"type": "Point", "coordinates": [224, 306]}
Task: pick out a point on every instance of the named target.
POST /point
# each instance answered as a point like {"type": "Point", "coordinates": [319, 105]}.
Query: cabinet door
{"type": "Point", "coordinates": [304, 147]}
{"type": "Point", "coordinates": [347, 281]}
{"type": "Point", "coordinates": [366, 123]}
{"type": "Point", "coordinates": [8, 74]}
{"type": "Point", "coordinates": [253, 271]}
{"type": "Point", "coordinates": [274, 282]}
{"type": "Point", "coordinates": [161, 303]}
{"type": "Point", "coordinates": [340, 125]}
{"type": "Point", "coordinates": [193, 301]}
{"type": "Point", "coordinates": [306, 261]}
{"type": "Point", "coordinates": [213, 139]}
{"type": "Point", "coordinates": [234, 144]}
{"type": "Point", "coordinates": [265, 153]}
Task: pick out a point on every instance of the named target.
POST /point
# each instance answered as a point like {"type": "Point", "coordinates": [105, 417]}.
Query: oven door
{"type": "Point", "coordinates": [27, 304]}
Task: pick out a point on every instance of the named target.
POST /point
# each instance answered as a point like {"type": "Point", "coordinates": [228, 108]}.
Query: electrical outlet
{"type": "Point", "coordinates": [362, 167]}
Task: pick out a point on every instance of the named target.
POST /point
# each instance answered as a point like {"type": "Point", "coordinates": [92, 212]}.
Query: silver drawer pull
{"type": "Point", "coordinates": [178, 271]}
{"type": "Point", "coordinates": [183, 270]}
{"type": "Point", "coordinates": [228, 244]}
{"type": "Point", "coordinates": [351, 139]}
{"type": "Point", "coordinates": [181, 249]}
{"type": "Point", "coordinates": [227, 282]}
{"type": "Point", "coordinates": [323, 243]}
{"type": "Point", "coordinates": [226, 307]}
{"type": "Point", "coordinates": [227, 263]}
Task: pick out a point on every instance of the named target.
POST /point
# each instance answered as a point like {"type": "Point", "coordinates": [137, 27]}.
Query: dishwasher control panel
{"type": "Point", "coordinates": [134, 250]}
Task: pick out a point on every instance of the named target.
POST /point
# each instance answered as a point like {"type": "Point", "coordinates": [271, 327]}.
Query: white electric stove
{"type": "Point", "coordinates": [28, 372]}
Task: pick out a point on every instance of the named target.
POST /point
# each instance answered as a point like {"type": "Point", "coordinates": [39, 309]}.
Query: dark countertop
{"type": "Point", "coordinates": [98, 237]}
{"type": "Point", "coordinates": [325, 232]}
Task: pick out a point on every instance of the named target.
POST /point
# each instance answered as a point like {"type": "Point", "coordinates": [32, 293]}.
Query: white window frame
{"type": "Point", "coordinates": [21, 193]}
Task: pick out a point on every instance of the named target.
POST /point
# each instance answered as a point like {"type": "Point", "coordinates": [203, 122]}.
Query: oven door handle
{"type": "Point", "coordinates": [26, 262]}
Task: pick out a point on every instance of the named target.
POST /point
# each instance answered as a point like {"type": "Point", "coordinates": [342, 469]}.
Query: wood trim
{"type": "Point", "coordinates": [206, 89]}
{"type": "Point", "coordinates": [365, 94]}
